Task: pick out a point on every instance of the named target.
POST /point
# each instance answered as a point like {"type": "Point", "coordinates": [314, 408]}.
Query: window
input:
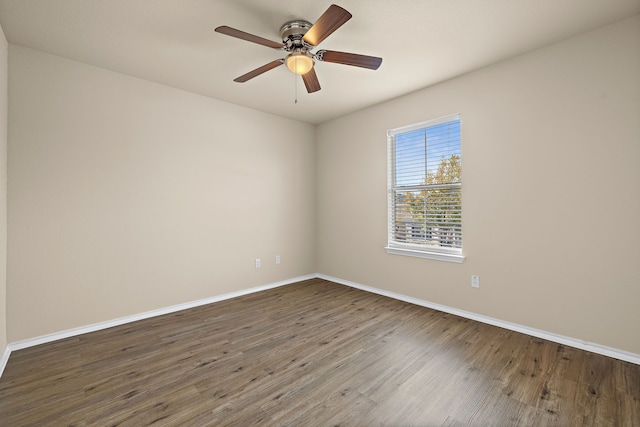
{"type": "Point", "coordinates": [425, 190]}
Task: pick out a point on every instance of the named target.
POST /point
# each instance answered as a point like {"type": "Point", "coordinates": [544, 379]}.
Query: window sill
{"type": "Point", "coordinates": [426, 254]}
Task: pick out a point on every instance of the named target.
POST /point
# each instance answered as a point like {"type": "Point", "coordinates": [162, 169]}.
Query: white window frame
{"type": "Point", "coordinates": [410, 249]}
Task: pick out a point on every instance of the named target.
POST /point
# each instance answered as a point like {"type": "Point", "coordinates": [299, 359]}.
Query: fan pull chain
{"type": "Point", "coordinates": [295, 84]}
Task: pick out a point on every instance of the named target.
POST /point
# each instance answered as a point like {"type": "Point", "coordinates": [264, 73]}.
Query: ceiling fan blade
{"type": "Point", "coordinates": [311, 81]}
{"type": "Point", "coordinates": [248, 37]}
{"type": "Point", "coordinates": [251, 74]}
{"type": "Point", "coordinates": [331, 20]}
{"type": "Point", "coordinates": [364, 61]}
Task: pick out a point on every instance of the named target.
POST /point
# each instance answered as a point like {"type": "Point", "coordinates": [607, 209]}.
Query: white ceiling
{"type": "Point", "coordinates": [422, 42]}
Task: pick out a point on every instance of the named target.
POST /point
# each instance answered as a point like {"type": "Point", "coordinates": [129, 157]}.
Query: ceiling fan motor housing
{"type": "Point", "coordinates": [292, 33]}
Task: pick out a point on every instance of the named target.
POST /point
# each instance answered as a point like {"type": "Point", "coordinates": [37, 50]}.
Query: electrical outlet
{"type": "Point", "coordinates": [257, 262]}
{"type": "Point", "coordinates": [277, 259]}
{"type": "Point", "coordinates": [475, 281]}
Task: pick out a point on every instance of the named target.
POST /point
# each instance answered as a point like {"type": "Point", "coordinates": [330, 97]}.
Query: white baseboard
{"type": "Point", "coordinates": [4, 358]}
{"type": "Point", "coordinates": [31, 342]}
{"type": "Point", "coordinates": [571, 342]}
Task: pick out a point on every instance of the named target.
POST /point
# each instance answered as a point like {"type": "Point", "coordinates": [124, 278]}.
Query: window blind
{"type": "Point", "coordinates": [425, 194]}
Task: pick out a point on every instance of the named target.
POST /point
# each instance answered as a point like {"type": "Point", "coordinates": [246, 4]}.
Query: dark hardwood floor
{"type": "Point", "coordinates": [314, 353]}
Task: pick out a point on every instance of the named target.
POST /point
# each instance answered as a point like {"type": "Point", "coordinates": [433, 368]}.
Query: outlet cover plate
{"type": "Point", "coordinates": [475, 281]}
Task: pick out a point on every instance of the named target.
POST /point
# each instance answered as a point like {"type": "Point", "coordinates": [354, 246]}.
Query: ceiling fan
{"type": "Point", "coordinates": [299, 37]}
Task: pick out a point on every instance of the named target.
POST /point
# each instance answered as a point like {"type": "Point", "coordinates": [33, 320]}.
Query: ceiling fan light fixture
{"type": "Point", "coordinates": [299, 63]}
{"type": "Point", "coordinates": [299, 39]}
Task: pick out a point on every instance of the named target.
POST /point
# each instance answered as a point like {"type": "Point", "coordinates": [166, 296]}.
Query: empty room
{"type": "Point", "coordinates": [296, 213]}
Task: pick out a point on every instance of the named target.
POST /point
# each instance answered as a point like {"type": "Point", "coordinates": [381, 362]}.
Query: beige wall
{"type": "Point", "coordinates": [127, 196]}
{"type": "Point", "coordinates": [551, 197]}
{"type": "Point", "coordinates": [3, 189]}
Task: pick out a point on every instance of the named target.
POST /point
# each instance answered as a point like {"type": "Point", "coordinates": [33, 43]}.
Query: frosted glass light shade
{"type": "Point", "coordinates": [299, 63]}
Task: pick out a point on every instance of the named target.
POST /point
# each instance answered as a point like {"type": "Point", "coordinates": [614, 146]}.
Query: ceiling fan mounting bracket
{"type": "Point", "coordinates": [292, 33]}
